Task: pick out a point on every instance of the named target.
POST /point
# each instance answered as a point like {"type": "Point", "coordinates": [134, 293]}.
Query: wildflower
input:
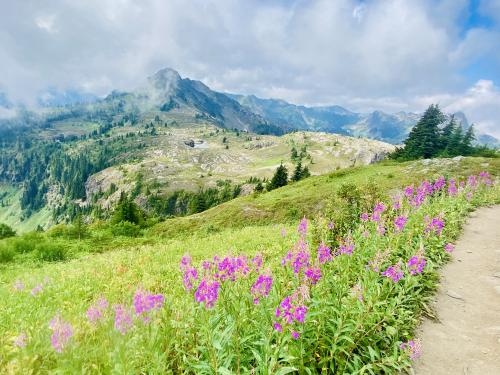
{"type": "Point", "coordinates": [302, 228]}
{"type": "Point", "coordinates": [207, 292]}
{"type": "Point", "coordinates": [331, 225]}
{"type": "Point", "coordinates": [472, 181]}
{"type": "Point", "coordinates": [380, 229]}
{"type": "Point", "coordinates": [377, 261]}
{"type": "Point", "coordinates": [439, 183]}
{"type": "Point", "coordinates": [324, 253]}
{"type": "Point", "coordinates": [416, 264]}
{"type": "Point", "coordinates": [257, 262]}
{"type": "Point", "coordinates": [452, 188]}
{"type": "Point", "coordinates": [123, 319]}
{"type": "Point", "coordinates": [449, 248]}
{"type": "Point", "coordinates": [278, 327]}
{"type": "Point", "coordinates": [435, 225]}
{"type": "Point", "coordinates": [261, 287]}
{"type": "Point", "coordinates": [468, 196]}
{"type": "Point", "coordinates": [364, 216]}
{"type": "Point", "coordinates": [346, 246]}
{"type": "Point", "coordinates": [292, 309]}
{"type": "Point", "coordinates": [61, 333]}
{"type": "Point", "coordinates": [413, 348]}
{"type": "Point", "coordinates": [393, 272]}
{"type": "Point", "coordinates": [396, 203]}
{"type": "Point", "coordinates": [400, 223]}
{"type": "Point", "coordinates": [145, 302]}
{"type": "Point", "coordinates": [408, 191]}
{"type": "Point", "coordinates": [485, 178]}
{"type": "Point", "coordinates": [18, 285]}
{"type": "Point", "coordinates": [21, 341]}
{"type": "Point", "coordinates": [96, 311]}
{"type": "Point", "coordinates": [37, 290]}
{"type": "Point", "coordinates": [295, 335]}
{"type": "Point", "coordinates": [313, 274]}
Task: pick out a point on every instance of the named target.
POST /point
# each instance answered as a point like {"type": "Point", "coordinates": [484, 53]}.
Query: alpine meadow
{"type": "Point", "coordinates": [245, 221]}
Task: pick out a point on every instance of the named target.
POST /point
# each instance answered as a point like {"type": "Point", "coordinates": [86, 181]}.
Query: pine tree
{"type": "Point", "coordinates": [259, 188]}
{"type": "Point", "coordinates": [423, 140]}
{"type": "Point", "coordinates": [447, 132]}
{"type": "Point", "coordinates": [279, 179]}
{"type": "Point", "coordinates": [455, 145]}
{"type": "Point", "coordinates": [297, 174]}
{"type": "Point", "coordinates": [467, 140]}
{"type": "Point", "coordinates": [305, 172]}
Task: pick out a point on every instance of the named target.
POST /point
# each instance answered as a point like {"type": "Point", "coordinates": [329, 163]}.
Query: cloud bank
{"type": "Point", "coordinates": [385, 54]}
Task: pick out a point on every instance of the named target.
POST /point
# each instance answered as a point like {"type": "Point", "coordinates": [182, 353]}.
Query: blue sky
{"type": "Point", "coordinates": [375, 54]}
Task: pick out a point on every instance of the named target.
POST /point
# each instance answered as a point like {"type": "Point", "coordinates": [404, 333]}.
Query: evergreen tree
{"type": "Point", "coordinates": [295, 154]}
{"type": "Point", "coordinates": [259, 188]}
{"type": "Point", "coordinates": [6, 231]}
{"type": "Point", "coordinates": [454, 147]}
{"type": "Point", "coordinates": [279, 179]}
{"type": "Point", "coordinates": [447, 132]}
{"type": "Point", "coordinates": [127, 210]}
{"type": "Point", "coordinates": [423, 140]}
{"type": "Point", "coordinates": [297, 173]}
{"type": "Point", "coordinates": [305, 172]}
{"type": "Point", "coordinates": [467, 140]}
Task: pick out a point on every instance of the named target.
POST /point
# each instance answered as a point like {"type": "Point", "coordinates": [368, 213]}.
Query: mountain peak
{"type": "Point", "coordinates": [165, 79]}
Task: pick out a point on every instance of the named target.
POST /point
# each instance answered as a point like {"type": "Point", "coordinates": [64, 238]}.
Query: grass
{"type": "Point", "coordinates": [340, 332]}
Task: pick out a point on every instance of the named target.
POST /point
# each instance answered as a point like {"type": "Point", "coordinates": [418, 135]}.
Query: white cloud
{"type": "Point", "coordinates": [355, 53]}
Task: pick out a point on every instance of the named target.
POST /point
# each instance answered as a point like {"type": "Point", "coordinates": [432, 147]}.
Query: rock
{"type": "Point", "coordinates": [457, 158]}
{"type": "Point", "coordinates": [189, 143]}
{"type": "Point", "coordinates": [455, 295]}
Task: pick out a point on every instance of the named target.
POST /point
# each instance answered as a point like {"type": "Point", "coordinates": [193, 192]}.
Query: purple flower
{"type": "Point", "coordinates": [393, 272]}
{"type": "Point", "coordinates": [207, 293]}
{"type": "Point", "coordinates": [123, 319]}
{"type": "Point", "coordinates": [331, 225]}
{"type": "Point", "coordinates": [18, 285]}
{"type": "Point", "coordinates": [346, 246]}
{"type": "Point", "coordinates": [257, 262]}
{"type": "Point", "coordinates": [449, 248]}
{"type": "Point", "coordinates": [400, 223]}
{"type": "Point", "coordinates": [278, 327]}
{"type": "Point", "coordinates": [324, 253]}
{"type": "Point", "coordinates": [485, 178]}
{"type": "Point", "coordinates": [261, 287]}
{"type": "Point", "coordinates": [21, 341]}
{"type": "Point", "coordinates": [439, 183]}
{"type": "Point", "coordinates": [380, 229]}
{"type": "Point", "coordinates": [413, 348]}
{"type": "Point", "coordinates": [435, 225]}
{"type": "Point", "coordinates": [472, 181]}
{"type": "Point", "coordinates": [295, 335]}
{"type": "Point", "coordinates": [96, 311]}
{"type": "Point", "coordinates": [364, 216]}
{"type": "Point", "coordinates": [452, 188]}
{"type": "Point", "coordinates": [302, 228]}
{"type": "Point", "coordinates": [408, 191]}
{"type": "Point", "coordinates": [61, 333]}
{"type": "Point", "coordinates": [283, 232]}
{"type": "Point", "coordinates": [313, 274]}
{"type": "Point", "coordinates": [37, 290]}
{"type": "Point", "coordinates": [144, 302]}
{"type": "Point", "coordinates": [416, 264]}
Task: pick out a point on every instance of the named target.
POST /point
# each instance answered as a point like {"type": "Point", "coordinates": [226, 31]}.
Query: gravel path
{"type": "Point", "coordinates": [465, 339]}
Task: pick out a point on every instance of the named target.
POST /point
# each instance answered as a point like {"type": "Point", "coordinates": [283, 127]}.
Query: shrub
{"type": "Point", "coordinates": [125, 228]}
{"type": "Point", "coordinates": [50, 252]}
{"type": "Point", "coordinates": [6, 254]}
{"type": "Point", "coordinates": [6, 231]}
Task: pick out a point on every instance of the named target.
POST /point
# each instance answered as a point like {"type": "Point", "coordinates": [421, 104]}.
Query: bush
{"type": "Point", "coordinates": [6, 231]}
{"type": "Point", "coordinates": [50, 252]}
{"type": "Point", "coordinates": [6, 254]}
{"type": "Point", "coordinates": [25, 244]}
{"type": "Point", "coordinates": [125, 228]}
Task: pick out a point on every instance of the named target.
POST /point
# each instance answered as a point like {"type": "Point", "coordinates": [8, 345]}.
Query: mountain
{"type": "Point", "coordinates": [392, 128]}
{"type": "Point", "coordinates": [56, 98]}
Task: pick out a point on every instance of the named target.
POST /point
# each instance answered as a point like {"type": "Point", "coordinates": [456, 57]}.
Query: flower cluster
{"type": "Point", "coordinates": [394, 272]}
{"type": "Point", "coordinates": [190, 274]}
{"type": "Point", "coordinates": [21, 341]}
{"type": "Point", "coordinates": [449, 247]}
{"type": "Point", "coordinates": [413, 348]}
{"type": "Point", "coordinates": [324, 253]}
{"type": "Point", "coordinates": [261, 287]}
{"type": "Point", "coordinates": [61, 333]}
{"type": "Point", "coordinates": [346, 246]}
{"type": "Point", "coordinates": [436, 225]}
{"type": "Point", "coordinates": [416, 264]}
{"type": "Point", "coordinates": [97, 310]}
{"type": "Point", "coordinates": [144, 302]}
{"type": "Point", "coordinates": [207, 292]}
{"type": "Point", "coordinates": [292, 310]}
{"type": "Point", "coordinates": [400, 222]}
{"type": "Point", "coordinates": [123, 319]}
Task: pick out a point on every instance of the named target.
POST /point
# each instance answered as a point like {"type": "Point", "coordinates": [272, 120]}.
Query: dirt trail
{"type": "Point", "coordinates": [466, 338]}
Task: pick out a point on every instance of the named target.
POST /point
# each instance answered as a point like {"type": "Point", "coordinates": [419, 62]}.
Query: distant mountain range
{"type": "Point", "coordinates": [167, 91]}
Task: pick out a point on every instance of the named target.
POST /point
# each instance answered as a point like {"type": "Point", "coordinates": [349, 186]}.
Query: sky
{"type": "Point", "coordinates": [390, 55]}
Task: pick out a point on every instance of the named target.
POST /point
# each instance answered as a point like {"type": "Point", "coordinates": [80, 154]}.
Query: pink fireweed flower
{"type": "Point", "coordinates": [472, 181]}
{"type": "Point", "coordinates": [295, 335]}
{"type": "Point", "coordinates": [144, 302]}
{"type": "Point", "coordinates": [485, 178]}
{"type": "Point", "coordinates": [400, 223]}
{"type": "Point", "coordinates": [416, 264]}
{"type": "Point", "coordinates": [393, 272]}
{"type": "Point", "coordinates": [18, 285]}
{"type": "Point", "coordinates": [278, 327]}
{"type": "Point", "coordinates": [377, 211]}
{"type": "Point", "coordinates": [302, 228]}
{"type": "Point", "coordinates": [292, 309]}
{"type": "Point", "coordinates": [452, 188]}
{"type": "Point", "coordinates": [378, 260]}
{"type": "Point", "coordinates": [435, 225]}
{"type": "Point", "coordinates": [396, 203]}
{"type": "Point", "coordinates": [324, 253]}
{"type": "Point", "coordinates": [189, 273]}
{"type": "Point", "coordinates": [346, 246]}
{"type": "Point", "coordinates": [313, 274]}
{"type": "Point", "coordinates": [408, 191]}
{"type": "Point", "coordinates": [413, 348]}
{"type": "Point", "coordinates": [261, 287]}
{"type": "Point", "coordinates": [468, 196]}
{"type": "Point", "coordinates": [123, 319]}
{"type": "Point", "coordinates": [257, 262]}
{"type": "Point", "coordinates": [331, 225]}
{"type": "Point", "coordinates": [449, 248]}
{"type": "Point", "coordinates": [61, 333]}
{"type": "Point", "coordinates": [21, 341]}
{"type": "Point", "coordinates": [96, 311]}
{"type": "Point", "coordinates": [364, 216]}
{"type": "Point", "coordinates": [207, 293]}
{"type": "Point", "coordinates": [37, 290]}
{"type": "Point", "coordinates": [381, 229]}
{"type": "Point", "coordinates": [439, 183]}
